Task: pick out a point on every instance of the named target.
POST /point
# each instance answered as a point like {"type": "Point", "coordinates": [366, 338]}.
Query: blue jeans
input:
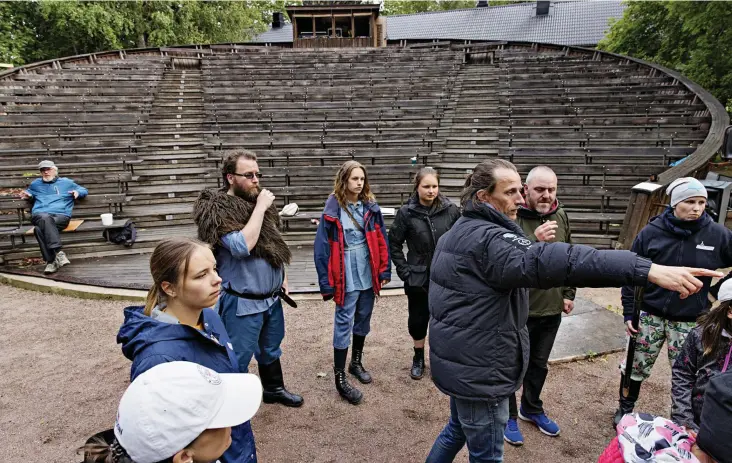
{"type": "Point", "coordinates": [480, 424]}
{"type": "Point", "coordinates": [259, 334]}
{"type": "Point", "coordinates": [353, 316]}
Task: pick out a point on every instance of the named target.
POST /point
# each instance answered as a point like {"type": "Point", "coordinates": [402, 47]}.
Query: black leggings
{"type": "Point", "coordinates": [419, 312]}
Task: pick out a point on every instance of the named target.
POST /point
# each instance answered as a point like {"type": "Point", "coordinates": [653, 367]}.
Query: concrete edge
{"type": "Point", "coordinates": [71, 289]}
{"type": "Point", "coordinates": [45, 285]}
{"type": "Point", "coordinates": [577, 358]}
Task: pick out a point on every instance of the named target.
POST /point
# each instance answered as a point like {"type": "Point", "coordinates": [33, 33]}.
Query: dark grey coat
{"type": "Point", "coordinates": [479, 301]}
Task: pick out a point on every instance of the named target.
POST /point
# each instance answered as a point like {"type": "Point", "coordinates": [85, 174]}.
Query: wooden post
{"type": "Point", "coordinates": [640, 209]}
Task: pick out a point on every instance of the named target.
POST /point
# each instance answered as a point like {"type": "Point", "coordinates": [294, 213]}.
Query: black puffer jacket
{"type": "Point", "coordinates": [667, 240]}
{"type": "Point", "coordinates": [421, 228]}
{"type": "Point", "coordinates": [479, 304]}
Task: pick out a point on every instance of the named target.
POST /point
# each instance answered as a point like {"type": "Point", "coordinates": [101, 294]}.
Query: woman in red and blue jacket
{"type": "Point", "coordinates": [353, 264]}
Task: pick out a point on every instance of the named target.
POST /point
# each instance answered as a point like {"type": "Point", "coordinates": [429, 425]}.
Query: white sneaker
{"type": "Point", "coordinates": [61, 259]}
{"type": "Point", "coordinates": [52, 267]}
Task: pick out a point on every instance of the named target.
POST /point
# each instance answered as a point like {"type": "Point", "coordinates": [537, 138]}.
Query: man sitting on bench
{"type": "Point", "coordinates": [53, 198]}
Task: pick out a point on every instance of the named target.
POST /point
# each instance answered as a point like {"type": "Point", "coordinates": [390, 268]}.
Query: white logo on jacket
{"type": "Point", "coordinates": [704, 248]}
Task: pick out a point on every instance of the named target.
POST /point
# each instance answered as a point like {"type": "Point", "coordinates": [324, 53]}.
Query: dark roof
{"type": "Point", "coordinates": [568, 23]}
{"type": "Point", "coordinates": [280, 35]}
{"type": "Point", "coordinates": [335, 7]}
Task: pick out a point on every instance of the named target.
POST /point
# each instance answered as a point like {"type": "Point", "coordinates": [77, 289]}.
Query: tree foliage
{"type": "Point", "coordinates": [33, 31]}
{"type": "Point", "coordinates": [394, 7]}
{"type": "Point", "coordinates": [691, 37]}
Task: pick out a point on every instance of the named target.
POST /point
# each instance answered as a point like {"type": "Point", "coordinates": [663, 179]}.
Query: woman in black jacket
{"type": "Point", "coordinates": [421, 222]}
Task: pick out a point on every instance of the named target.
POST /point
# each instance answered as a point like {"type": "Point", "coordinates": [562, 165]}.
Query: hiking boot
{"type": "Point", "coordinates": [626, 403]}
{"type": "Point", "coordinates": [51, 267]}
{"type": "Point", "coordinates": [417, 371]}
{"type": "Point", "coordinates": [61, 259]}
{"type": "Point", "coordinates": [356, 367]}
{"type": "Point", "coordinates": [512, 433]}
{"type": "Point", "coordinates": [543, 422]}
{"type": "Point", "coordinates": [348, 392]}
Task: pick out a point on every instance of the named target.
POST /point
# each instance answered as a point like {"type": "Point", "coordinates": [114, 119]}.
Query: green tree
{"type": "Point", "coordinates": [33, 31]}
{"type": "Point", "coordinates": [394, 7]}
{"type": "Point", "coordinates": [691, 37]}
{"type": "Point", "coordinates": [16, 31]}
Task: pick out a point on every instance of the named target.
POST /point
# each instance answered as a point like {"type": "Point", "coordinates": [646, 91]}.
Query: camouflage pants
{"type": "Point", "coordinates": [653, 331]}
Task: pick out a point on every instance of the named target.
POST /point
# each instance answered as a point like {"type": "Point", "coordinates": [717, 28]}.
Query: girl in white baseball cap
{"type": "Point", "coordinates": [177, 412]}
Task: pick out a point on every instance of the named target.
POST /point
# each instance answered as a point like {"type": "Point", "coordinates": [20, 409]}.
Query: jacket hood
{"type": "Point", "coordinates": [331, 207]}
{"type": "Point", "coordinates": [526, 213]}
{"type": "Point", "coordinates": [139, 331]}
{"type": "Point", "coordinates": [413, 204]}
{"type": "Point", "coordinates": [668, 221]}
{"type": "Point", "coordinates": [487, 212]}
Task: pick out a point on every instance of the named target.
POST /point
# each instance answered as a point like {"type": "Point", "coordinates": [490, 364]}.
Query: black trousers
{"type": "Point", "coordinates": [48, 229]}
{"type": "Point", "coordinates": [419, 311]}
{"type": "Point", "coordinates": [542, 332]}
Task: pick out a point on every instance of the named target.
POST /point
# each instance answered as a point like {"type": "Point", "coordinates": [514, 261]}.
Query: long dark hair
{"type": "Point", "coordinates": [483, 178]}
{"type": "Point", "coordinates": [169, 262]}
{"type": "Point", "coordinates": [421, 174]}
{"type": "Point", "coordinates": [712, 323]}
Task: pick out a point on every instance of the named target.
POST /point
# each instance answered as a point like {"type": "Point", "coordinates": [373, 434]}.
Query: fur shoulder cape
{"type": "Point", "coordinates": [217, 213]}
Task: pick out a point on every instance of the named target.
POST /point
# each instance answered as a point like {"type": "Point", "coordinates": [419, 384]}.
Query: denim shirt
{"type": "Point", "coordinates": [357, 261]}
{"type": "Point", "coordinates": [246, 274]}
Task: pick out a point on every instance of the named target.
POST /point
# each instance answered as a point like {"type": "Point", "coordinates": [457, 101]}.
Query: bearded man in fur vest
{"type": "Point", "coordinates": [241, 222]}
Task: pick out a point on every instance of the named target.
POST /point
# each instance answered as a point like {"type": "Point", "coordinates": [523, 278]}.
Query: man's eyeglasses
{"type": "Point", "coordinates": [248, 175]}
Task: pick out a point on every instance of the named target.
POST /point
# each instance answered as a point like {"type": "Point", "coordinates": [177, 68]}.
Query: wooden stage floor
{"type": "Point", "coordinates": [133, 272]}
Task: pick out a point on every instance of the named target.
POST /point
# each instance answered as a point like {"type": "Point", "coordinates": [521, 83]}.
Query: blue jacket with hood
{"type": "Point", "coordinates": [148, 341]}
{"type": "Point", "coordinates": [667, 240]}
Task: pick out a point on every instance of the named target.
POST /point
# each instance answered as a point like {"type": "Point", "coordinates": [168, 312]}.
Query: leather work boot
{"type": "Point", "coordinates": [273, 386]}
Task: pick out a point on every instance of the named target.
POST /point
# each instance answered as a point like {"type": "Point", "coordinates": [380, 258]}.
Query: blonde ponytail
{"type": "Point", "coordinates": [152, 299]}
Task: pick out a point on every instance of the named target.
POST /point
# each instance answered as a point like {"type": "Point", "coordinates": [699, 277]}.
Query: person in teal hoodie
{"type": "Point", "coordinates": [53, 202]}
{"type": "Point", "coordinates": [176, 324]}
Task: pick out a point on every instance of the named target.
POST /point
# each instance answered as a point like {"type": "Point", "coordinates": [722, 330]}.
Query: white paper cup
{"type": "Point", "coordinates": [107, 219]}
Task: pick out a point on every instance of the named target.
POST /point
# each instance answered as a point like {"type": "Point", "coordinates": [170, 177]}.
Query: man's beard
{"type": "Point", "coordinates": [249, 195]}
{"type": "Point", "coordinates": [542, 207]}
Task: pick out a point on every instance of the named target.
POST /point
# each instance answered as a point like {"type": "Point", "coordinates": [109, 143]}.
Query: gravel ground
{"type": "Point", "coordinates": [63, 375]}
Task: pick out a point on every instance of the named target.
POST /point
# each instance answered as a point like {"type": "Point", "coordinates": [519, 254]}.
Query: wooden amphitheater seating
{"type": "Point", "coordinates": [157, 133]}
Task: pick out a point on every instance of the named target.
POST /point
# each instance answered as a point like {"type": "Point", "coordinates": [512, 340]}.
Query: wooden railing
{"type": "Point", "coordinates": [330, 42]}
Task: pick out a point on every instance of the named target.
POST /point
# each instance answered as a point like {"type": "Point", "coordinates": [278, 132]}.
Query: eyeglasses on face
{"type": "Point", "coordinates": [248, 175]}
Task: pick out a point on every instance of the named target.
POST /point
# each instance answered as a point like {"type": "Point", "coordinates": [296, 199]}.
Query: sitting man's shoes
{"type": "Point", "coordinates": [512, 433]}
{"type": "Point", "coordinates": [51, 267]}
{"type": "Point", "coordinates": [543, 422]}
{"type": "Point", "coordinates": [61, 259]}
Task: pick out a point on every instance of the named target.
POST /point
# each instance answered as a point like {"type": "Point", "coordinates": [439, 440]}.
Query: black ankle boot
{"type": "Point", "coordinates": [417, 371]}
{"type": "Point", "coordinates": [273, 386]}
{"type": "Point", "coordinates": [356, 367]}
{"type": "Point", "coordinates": [626, 404]}
{"type": "Point", "coordinates": [348, 392]}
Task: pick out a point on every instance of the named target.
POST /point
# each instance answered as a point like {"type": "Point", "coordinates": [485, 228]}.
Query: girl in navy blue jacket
{"type": "Point", "coordinates": [177, 324]}
{"type": "Point", "coordinates": [683, 235]}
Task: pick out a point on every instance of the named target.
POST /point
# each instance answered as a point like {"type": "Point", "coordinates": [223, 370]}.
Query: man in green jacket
{"type": "Point", "coordinates": [543, 219]}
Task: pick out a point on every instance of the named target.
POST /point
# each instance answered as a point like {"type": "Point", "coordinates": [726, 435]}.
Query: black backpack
{"type": "Point", "coordinates": [122, 235]}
